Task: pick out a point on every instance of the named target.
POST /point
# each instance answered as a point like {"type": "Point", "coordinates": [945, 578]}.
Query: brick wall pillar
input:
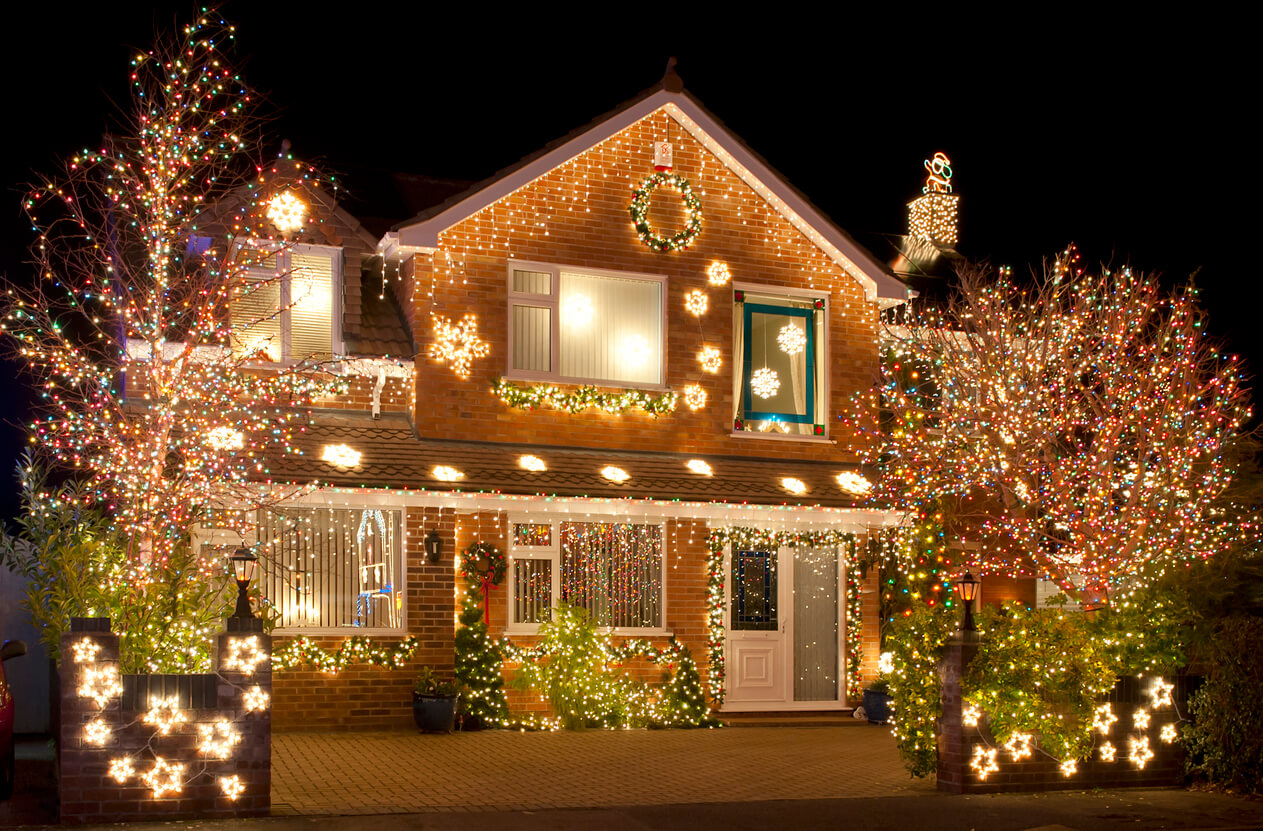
{"type": "Point", "coordinates": [954, 749]}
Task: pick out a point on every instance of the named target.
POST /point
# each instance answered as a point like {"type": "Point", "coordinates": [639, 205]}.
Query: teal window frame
{"type": "Point", "coordinates": [809, 316]}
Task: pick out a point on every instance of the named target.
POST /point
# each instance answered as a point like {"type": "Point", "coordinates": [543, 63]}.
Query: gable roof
{"type": "Point", "coordinates": [422, 231]}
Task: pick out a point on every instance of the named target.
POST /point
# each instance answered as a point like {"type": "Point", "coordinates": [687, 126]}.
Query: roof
{"type": "Point", "coordinates": [422, 231]}
{"type": "Point", "coordinates": [382, 330]}
{"type": "Point", "coordinates": [393, 456]}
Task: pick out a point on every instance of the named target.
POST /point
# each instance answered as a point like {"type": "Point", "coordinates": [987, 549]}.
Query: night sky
{"type": "Point", "coordinates": [1128, 137]}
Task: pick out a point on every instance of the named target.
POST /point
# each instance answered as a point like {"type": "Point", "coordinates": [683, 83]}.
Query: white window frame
{"type": "Point", "coordinates": [552, 302]}
{"type": "Point", "coordinates": [282, 252]}
{"type": "Point", "coordinates": [552, 553]}
{"type": "Point", "coordinates": [822, 357]}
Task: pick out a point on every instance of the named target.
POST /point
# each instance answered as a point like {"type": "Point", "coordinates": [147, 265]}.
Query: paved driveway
{"type": "Point", "coordinates": [374, 773]}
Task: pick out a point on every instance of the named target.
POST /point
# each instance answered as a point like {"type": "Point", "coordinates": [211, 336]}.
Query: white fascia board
{"type": "Point", "coordinates": [819, 229]}
{"type": "Point", "coordinates": [716, 514]}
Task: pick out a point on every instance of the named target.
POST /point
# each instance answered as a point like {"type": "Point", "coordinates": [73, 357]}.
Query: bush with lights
{"type": "Point", "coordinates": [478, 673]}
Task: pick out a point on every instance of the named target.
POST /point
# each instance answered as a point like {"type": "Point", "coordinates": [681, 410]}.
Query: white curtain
{"type": "Point", "coordinates": [816, 615]}
{"type": "Point", "coordinates": [611, 328]}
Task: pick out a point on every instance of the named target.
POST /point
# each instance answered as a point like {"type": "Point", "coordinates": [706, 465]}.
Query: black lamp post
{"type": "Point", "coordinates": [967, 586]}
{"type": "Point", "coordinates": [433, 546]}
{"type": "Point", "coordinates": [244, 563]}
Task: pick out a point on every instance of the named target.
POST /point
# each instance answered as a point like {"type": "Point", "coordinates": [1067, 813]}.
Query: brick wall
{"type": "Point", "coordinates": [578, 215]}
{"type": "Point", "coordinates": [88, 791]}
{"type": "Point", "coordinates": [372, 698]}
{"type": "Point", "coordinates": [957, 742]}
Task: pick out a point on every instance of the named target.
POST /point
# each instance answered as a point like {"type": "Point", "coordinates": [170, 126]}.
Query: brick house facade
{"type": "Point", "coordinates": [533, 256]}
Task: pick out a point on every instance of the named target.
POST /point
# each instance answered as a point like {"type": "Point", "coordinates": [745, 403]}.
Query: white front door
{"type": "Point", "coordinates": [784, 630]}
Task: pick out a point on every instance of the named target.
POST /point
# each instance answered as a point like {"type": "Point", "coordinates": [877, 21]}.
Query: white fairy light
{"type": "Point", "coordinates": [445, 473]}
{"type": "Point", "coordinates": [287, 212]}
{"type": "Point", "coordinates": [341, 455]}
{"type": "Point", "coordinates": [791, 339]}
{"type": "Point", "coordinates": [699, 467]}
{"type": "Point", "coordinates": [532, 463]}
{"type": "Point", "coordinates": [615, 474]}
{"type": "Point", "coordinates": [1069, 768]}
{"type": "Point", "coordinates": [225, 438]}
{"type": "Point", "coordinates": [764, 382]}
{"type": "Point", "coordinates": [457, 344]}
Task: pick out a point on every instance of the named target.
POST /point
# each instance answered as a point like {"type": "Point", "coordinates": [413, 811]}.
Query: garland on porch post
{"type": "Point", "coordinates": [478, 672]}
{"type": "Point", "coordinates": [756, 539]}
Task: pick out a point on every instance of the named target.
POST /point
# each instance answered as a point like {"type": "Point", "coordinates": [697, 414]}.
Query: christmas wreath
{"type": "Point", "coordinates": [483, 563]}
{"type": "Point", "coordinates": [640, 212]}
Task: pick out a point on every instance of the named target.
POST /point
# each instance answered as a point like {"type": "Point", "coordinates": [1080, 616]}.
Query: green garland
{"type": "Point", "coordinates": [640, 212]}
{"type": "Point", "coordinates": [760, 540]}
{"type": "Point", "coordinates": [354, 650]}
{"type": "Point", "coordinates": [497, 564]}
{"type": "Point", "coordinates": [583, 398]}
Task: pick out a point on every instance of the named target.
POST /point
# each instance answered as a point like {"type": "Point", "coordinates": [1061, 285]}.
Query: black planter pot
{"type": "Point", "coordinates": [876, 706]}
{"type": "Point", "coordinates": [434, 713]}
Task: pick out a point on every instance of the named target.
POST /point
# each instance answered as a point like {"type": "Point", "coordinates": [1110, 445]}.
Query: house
{"type": "Point", "coordinates": [627, 362]}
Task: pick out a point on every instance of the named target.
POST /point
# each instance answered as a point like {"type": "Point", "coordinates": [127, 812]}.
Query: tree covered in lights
{"type": "Point", "coordinates": [142, 370]}
{"type": "Point", "coordinates": [1074, 427]}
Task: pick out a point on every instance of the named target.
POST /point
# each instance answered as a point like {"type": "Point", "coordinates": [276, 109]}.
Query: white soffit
{"type": "Point", "coordinates": [758, 176]}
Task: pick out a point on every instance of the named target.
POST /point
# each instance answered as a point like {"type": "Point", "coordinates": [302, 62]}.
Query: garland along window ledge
{"type": "Point", "coordinates": [585, 326]}
{"type": "Point", "coordinates": [780, 348]}
{"type": "Point", "coordinates": [613, 570]}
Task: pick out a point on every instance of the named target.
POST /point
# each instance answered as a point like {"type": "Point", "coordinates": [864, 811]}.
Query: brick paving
{"type": "Point", "coordinates": [377, 773]}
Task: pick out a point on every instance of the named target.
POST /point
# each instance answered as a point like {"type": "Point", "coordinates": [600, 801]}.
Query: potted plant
{"type": "Point", "coordinates": [877, 701]}
{"type": "Point", "coordinates": [433, 701]}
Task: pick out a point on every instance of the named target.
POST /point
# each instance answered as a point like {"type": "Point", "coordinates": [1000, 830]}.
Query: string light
{"type": "Point", "coordinates": [164, 777]}
{"type": "Point", "coordinates": [85, 651]}
{"type": "Point", "coordinates": [1019, 746]}
{"type": "Point", "coordinates": [101, 684]}
{"type": "Point", "coordinates": [1140, 719]}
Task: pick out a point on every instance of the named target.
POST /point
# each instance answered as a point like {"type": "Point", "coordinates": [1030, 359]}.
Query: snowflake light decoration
{"type": "Point", "coordinates": [983, 762]}
{"type": "Point", "coordinates": [711, 359]}
{"type": "Point", "coordinates": [1139, 753]}
{"type": "Point", "coordinates": [245, 654]}
{"type": "Point", "coordinates": [1103, 719]}
{"type": "Point", "coordinates": [695, 301]}
{"type": "Point", "coordinates": [164, 714]}
{"type": "Point", "coordinates": [255, 699]}
{"type": "Point", "coordinates": [764, 382]}
{"type": "Point", "coordinates": [717, 273]}
{"type": "Point", "coordinates": [287, 212]}
{"type": "Point", "coordinates": [164, 777]}
{"type": "Point", "coordinates": [791, 339]}
{"type": "Point", "coordinates": [458, 344]}
{"type": "Point", "coordinates": [96, 732]}
{"type": "Point", "coordinates": [694, 397]}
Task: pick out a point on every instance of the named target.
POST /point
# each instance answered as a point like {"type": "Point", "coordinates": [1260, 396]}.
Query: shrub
{"type": "Point", "coordinates": [1225, 739]}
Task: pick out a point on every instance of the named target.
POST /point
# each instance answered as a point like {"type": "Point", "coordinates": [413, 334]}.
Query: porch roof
{"type": "Point", "coordinates": [394, 456]}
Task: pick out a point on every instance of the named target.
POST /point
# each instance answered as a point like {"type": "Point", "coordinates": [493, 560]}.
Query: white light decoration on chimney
{"type": "Point", "coordinates": [717, 273]}
{"type": "Point", "coordinates": [711, 359]}
{"type": "Point", "coordinates": [287, 212]}
{"type": "Point", "coordinates": [255, 699]}
{"type": "Point", "coordinates": [794, 486]}
{"type": "Point", "coordinates": [615, 474]}
{"type": "Point", "coordinates": [225, 438]}
{"type": "Point", "coordinates": [164, 777]}
{"type": "Point", "coordinates": [854, 483]}
{"type": "Point", "coordinates": [694, 397]}
{"type": "Point", "coordinates": [578, 310]}
{"type": "Point", "coordinates": [532, 463]}
{"type": "Point", "coordinates": [341, 455]}
{"type": "Point", "coordinates": [635, 350]}
{"type": "Point", "coordinates": [446, 474]}
{"type": "Point", "coordinates": [699, 467]}
{"type": "Point", "coordinates": [791, 339]}
{"type": "Point", "coordinates": [764, 382]}
{"type": "Point", "coordinates": [696, 301]}
{"type": "Point", "coordinates": [457, 344]}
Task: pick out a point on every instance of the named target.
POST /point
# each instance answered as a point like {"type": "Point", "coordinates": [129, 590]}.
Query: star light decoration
{"type": "Point", "coordinates": [1019, 746]}
{"type": "Point", "coordinates": [164, 714]}
{"type": "Point", "coordinates": [764, 382]}
{"type": "Point", "coordinates": [100, 683]}
{"type": "Point", "coordinates": [969, 716]}
{"type": "Point", "coordinates": [1103, 719]}
{"type": "Point", "coordinates": [164, 777]}
{"type": "Point", "coordinates": [791, 339]}
{"type": "Point", "coordinates": [1160, 693]}
{"type": "Point", "coordinates": [1140, 719]}
{"type": "Point", "coordinates": [217, 740]}
{"type": "Point", "coordinates": [245, 654]}
{"type": "Point", "coordinates": [97, 732]}
{"type": "Point", "coordinates": [695, 301]}
{"type": "Point", "coordinates": [1108, 752]}
{"type": "Point", "coordinates": [1068, 767]}
{"type": "Point", "coordinates": [1138, 752]}
{"type": "Point", "coordinates": [711, 359]}
{"type": "Point", "coordinates": [457, 344]}
{"type": "Point", "coordinates": [255, 699]}
{"type": "Point", "coordinates": [85, 651]}
{"type": "Point", "coordinates": [232, 786]}
{"type": "Point", "coordinates": [1168, 733]}
{"type": "Point", "coordinates": [983, 762]}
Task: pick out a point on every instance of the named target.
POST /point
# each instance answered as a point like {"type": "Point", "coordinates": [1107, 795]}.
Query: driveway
{"type": "Point", "coordinates": [376, 773]}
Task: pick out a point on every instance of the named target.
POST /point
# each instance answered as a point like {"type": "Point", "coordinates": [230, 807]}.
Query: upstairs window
{"type": "Point", "coordinates": [779, 385]}
{"type": "Point", "coordinates": [584, 326]}
{"type": "Point", "coordinates": [286, 308]}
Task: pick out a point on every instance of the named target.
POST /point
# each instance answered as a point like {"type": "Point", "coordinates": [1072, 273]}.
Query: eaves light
{"type": "Point", "coordinates": [795, 486]}
{"type": "Point", "coordinates": [615, 474]}
{"type": "Point", "coordinates": [532, 463]}
{"type": "Point", "coordinates": [699, 467]}
{"type": "Point", "coordinates": [341, 455]}
{"type": "Point", "coordinates": [446, 474]}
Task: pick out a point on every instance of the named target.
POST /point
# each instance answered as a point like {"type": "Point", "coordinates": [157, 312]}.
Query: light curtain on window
{"type": "Point", "coordinates": [816, 624]}
{"type": "Point", "coordinates": [614, 571]}
{"type": "Point", "coordinates": [611, 328]}
{"type": "Point", "coordinates": [532, 590]}
{"type": "Point", "coordinates": [331, 568]}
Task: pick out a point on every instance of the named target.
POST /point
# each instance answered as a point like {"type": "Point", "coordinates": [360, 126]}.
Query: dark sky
{"type": "Point", "coordinates": [1128, 137]}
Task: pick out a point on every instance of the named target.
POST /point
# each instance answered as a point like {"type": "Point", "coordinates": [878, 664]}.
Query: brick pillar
{"type": "Point", "coordinates": [252, 760]}
{"type": "Point", "coordinates": [85, 790]}
{"type": "Point", "coordinates": [954, 750]}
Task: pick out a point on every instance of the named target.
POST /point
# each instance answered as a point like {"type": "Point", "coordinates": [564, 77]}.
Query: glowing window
{"type": "Point", "coordinates": [286, 306]}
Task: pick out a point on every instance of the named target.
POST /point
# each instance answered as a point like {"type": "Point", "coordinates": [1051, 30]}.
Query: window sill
{"type": "Point", "coordinates": [528, 629]}
{"type": "Point", "coordinates": [338, 631]}
{"type": "Point", "coordinates": [751, 434]}
{"type": "Point", "coordinates": [533, 379]}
